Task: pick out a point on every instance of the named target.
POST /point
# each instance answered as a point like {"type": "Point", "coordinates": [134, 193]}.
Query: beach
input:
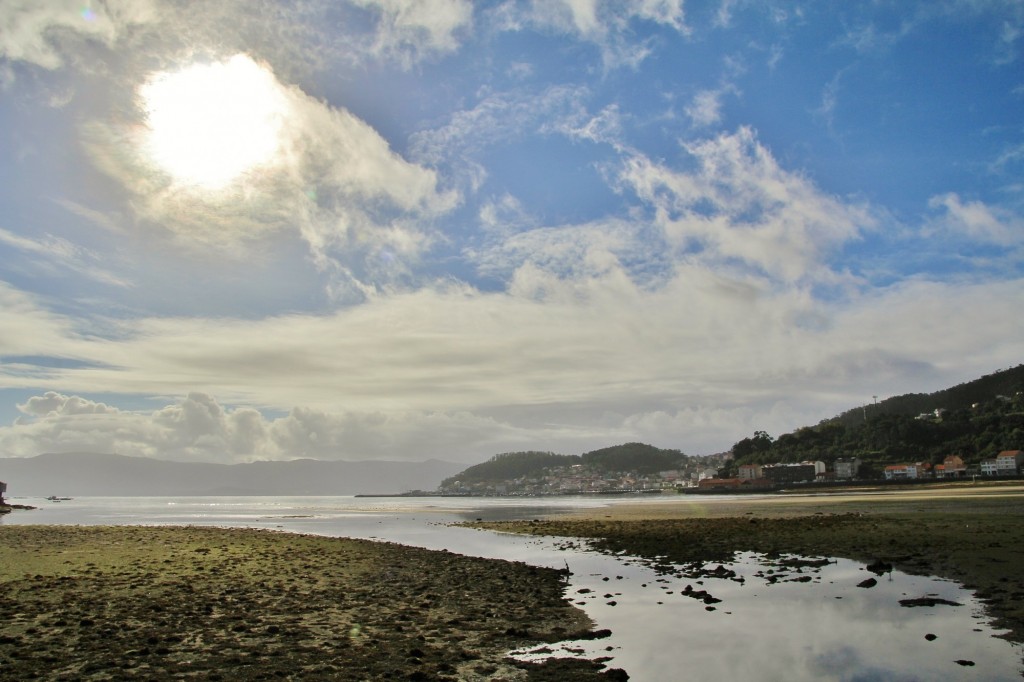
{"type": "Point", "coordinates": [207, 602]}
{"type": "Point", "coordinates": [972, 534]}
{"type": "Point", "coordinates": [133, 602]}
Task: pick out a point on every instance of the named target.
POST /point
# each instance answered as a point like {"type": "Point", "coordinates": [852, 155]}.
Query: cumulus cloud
{"type": "Point", "coordinates": [198, 428]}
{"type": "Point", "coordinates": [739, 206]}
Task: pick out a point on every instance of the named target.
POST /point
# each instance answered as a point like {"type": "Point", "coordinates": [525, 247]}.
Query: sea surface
{"type": "Point", "coordinates": [765, 620]}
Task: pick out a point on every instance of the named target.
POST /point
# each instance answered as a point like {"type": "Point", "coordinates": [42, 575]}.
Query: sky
{"type": "Point", "coordinates": [243, 230]}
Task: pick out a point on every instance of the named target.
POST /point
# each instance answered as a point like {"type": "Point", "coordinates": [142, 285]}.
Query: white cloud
{"type": "Point", "coordinates": [42, 32]}
{"type": "Point", "coordinates": [603, 23]}
{"type": "Point", "coordinates": [573, 355]}
{"type": "Point", "coordinates": [497, 118]}
{"type": "Point", "coordinates": [198, 428]}
{"type": "Point", "coordinates": [54, 254]}
{"type": "Point", "coordinates": [975, 220]}
{"type": "Point", "coordinates": [739, 206]}
{"type": "Point", "coordinates": [706, 108]}
{"type": "Point", "coordinates": [413, 29]}
{"type": "Point", "coordinates": [30, 329]}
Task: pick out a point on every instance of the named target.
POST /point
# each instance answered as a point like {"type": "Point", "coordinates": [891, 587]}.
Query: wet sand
{"type": "Point", "coordinates": [973, 534]}
{"type": "Point", "coordinates": [118, 603]}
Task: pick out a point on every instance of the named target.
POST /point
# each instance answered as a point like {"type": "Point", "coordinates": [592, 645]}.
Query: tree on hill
{"type": "Point", "coordinates": [962, 421]}
{"type": "Point", "coordinates": [638, 457]}
{"type": "Point", "coordinates": [1007, 382]}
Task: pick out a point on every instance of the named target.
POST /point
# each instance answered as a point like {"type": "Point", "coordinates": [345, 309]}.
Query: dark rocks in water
{"type": "Point", "coordinates": [930, 637]}
{"type": "Point", "coordinates": [928, 601]}
{"type": "Point", "coordinates": [870, 582]}
{"type": "Point", "coordinates": [965, 662]}
{"type": "Point", "coordinates": [878, 567]}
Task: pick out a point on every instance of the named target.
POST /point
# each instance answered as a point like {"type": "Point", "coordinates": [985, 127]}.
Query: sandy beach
{"type": "Point", "coordinates": [128, 602]}
{"type": "Point", "coordinates": [973, 534]}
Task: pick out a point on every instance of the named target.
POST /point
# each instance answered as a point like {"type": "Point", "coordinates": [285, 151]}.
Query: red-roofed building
{"type": "Point", "coordinates": [951, 467]}
{"type": "Point", "coordinates": [897, 472]}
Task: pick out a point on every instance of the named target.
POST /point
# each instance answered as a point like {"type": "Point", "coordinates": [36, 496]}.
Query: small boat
{"type": "Point", "coordinates": [54, 498]}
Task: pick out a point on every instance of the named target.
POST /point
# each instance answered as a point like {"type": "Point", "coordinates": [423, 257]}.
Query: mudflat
{"type": "Point", "coordinates": [115, 603]}
{"type": "Point", "coordinates": [971, 533]}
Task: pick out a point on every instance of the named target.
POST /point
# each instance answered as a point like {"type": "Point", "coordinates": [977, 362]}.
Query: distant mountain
{"type": "Point", "coordinates": [98, 474]}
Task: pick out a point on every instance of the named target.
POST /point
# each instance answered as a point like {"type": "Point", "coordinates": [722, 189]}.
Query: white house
{"type": "Point", "coordinates": [1009, 462]}
{"type": "Point", "coordinates": [989, 468]}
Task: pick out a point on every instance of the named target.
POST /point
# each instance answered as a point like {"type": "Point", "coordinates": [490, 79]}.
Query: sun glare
{"type": "Point", "coordinates": [208, 124]}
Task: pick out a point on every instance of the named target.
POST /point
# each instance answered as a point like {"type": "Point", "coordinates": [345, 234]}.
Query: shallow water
{"type": "Point", "coordinates": [811, 624]}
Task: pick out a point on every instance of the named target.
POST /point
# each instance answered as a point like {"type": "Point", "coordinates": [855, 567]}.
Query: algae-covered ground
{"type": "Point", "coordinates": [972, 534]}
{"type": "Point", "coordinates": [152, 603]}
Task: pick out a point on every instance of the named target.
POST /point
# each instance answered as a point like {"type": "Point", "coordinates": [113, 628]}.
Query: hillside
{"type": "Point", "coordinates": [620, 467]}
{"type": "Point", "coordinates": [974, 420]}
{"type": "Point", "coordinates": [1007, 382]}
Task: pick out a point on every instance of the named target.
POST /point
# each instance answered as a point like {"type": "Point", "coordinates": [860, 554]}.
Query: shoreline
{"type": "Point", "coordinates": [113, 602]}
{"type": "Point", "coordinates": [974, 536]}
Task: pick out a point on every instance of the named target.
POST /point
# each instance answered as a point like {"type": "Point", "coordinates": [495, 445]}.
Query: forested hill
{"type": "Point", "coordinates": [1007, 383]}
{"type": "Point", "coordinates": [975, 420]}
{"type": "Point", "coordinates": [508, 466]}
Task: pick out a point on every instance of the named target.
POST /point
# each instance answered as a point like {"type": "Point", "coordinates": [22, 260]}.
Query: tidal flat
{"type": "Point", "coordinates": [972, 534]}
{"type": "Point", "coordinates": [134, 602]}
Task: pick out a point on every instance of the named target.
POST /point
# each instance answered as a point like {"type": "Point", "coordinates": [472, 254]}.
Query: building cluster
{"type": "Point", "coordinates": [1006, 463]}
{"type": "Point", "coordinates": [764, 476]}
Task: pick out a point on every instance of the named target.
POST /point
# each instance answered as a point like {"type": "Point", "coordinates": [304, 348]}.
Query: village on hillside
{"type": "Point", "coordinates": [582, 479]}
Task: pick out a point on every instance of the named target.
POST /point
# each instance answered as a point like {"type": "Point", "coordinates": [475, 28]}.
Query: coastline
{"type": "Point", "coordinates": [106, 602]}
{"type": "Point", "coordinates": [973, 535]}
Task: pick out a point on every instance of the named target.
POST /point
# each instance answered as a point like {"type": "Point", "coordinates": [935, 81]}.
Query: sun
{"type": "Point", "coordinates": [207, 125]}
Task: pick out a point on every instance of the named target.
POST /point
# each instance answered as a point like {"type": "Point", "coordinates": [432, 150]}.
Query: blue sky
{"type": "Point", "coordinates": [398, 229]}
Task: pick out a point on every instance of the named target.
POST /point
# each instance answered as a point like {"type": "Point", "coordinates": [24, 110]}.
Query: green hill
{"type": "Point", "coordinates": [509, 467]}
{"type": "Point", "coordinates": [638, 457]}
{"type": "Point", "coordinates": [974, 420]}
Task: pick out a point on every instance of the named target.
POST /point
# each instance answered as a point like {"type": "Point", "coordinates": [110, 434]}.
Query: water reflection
{"type": "Point", "coordinates": [810, 624]}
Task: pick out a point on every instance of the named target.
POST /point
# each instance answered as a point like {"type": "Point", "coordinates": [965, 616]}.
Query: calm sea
{"type": "Point", "coordinates": [809, 624]}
